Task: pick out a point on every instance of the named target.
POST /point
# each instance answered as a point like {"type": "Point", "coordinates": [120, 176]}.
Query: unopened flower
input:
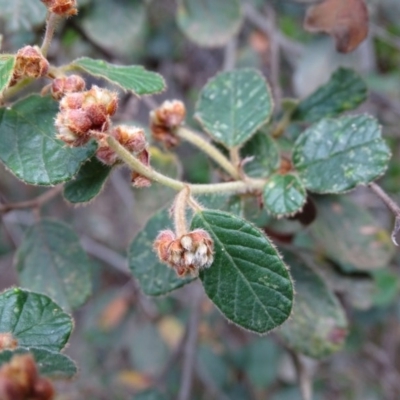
{"type": "Point", "coordinates": [66, 84]}
{"type": "Point", "coordinates": [29, 62]}
{"type": "Point", "coordinates": [137, 179]}
{"type": "Point", "coordinates": [65, 8]}
{"type": "Point", "coordinates": [73, 127]}
{"type": "Point", "coordinates": [165, 119]}
{"type": "Point", "coordinates": [85, 114]}
{"type": "Point", "coordinates": [188, 254]}
{"type": "Point", "coordinates": [19, 380]}
{"type": "Point", "coordinates": [131, 137]}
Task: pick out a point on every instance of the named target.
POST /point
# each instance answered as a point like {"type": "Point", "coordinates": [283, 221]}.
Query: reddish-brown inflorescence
{"type": "Point", "coordinates": [131, 137]}
{"type": "Point", "coordinates": [30, 63]}
{"type": "Point", "coordinates": [188, 254]}
{"type": "Point", "coordinates": [19, 380]}
{"type": "Point", "coordinates": [165, 119]}
{"type": "Point", "coordinates": [64, 8]}
{"type": "Point", "coordinates": [66, 84]}
{"type": "Point", "coordinates": [84, 115]}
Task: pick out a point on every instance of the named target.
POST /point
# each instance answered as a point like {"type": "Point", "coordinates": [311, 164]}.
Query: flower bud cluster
{"type": "Point", "coordinates": [30, 63]}
{"type": "Point", "coordinates": [131, 137]}
{"type": "Point", "coordinates": [19, 380]}
{"type": "Point", "coordinates": [84, 115]}
{"type": "Point", "coordinates": [134, 140]}
{"type": "Point", "coordinates": [165, 119]}
{"type": "Point", "coordinates": [64, 8]}
{"type": "Point", "coordinates": [66, 84]}
{"type": "Point", "coordinates": [187, 254]}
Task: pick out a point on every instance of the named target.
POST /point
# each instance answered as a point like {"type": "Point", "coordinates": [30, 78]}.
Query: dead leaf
{"type": "Point", "coordinates": [345, 20]}
{"type": "Point", "coordinates": [114, 312]}
{"type": "Point", "coordinates": [134, 379]}
{"type": "Point", "coordinates": [171, 330]}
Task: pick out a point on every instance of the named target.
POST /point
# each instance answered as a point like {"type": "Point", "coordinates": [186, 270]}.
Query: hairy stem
{"type": "Point", "coordinates": [303, 377]}
{"type": "Point", "coordinates": [180, 204]}
{"type": "Point", "coordinates": [209, 149]}
{"type": "Point", "coordinates": [35, 203]}
{"type": "Point", "coordinates": [226, 187]}
{"type": "Point", "coordinates": [51, 23]}
{"type": "Point", "coordinates": [393, 207]}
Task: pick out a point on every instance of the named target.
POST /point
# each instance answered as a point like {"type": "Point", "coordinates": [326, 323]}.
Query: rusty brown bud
{"type": "Point", "coordinates": [29, 62]}
{"type": "Point", "coordinates": [65, 8]}
{"type": "Point", "coordinates": [165, 119]}
{"type": "Point", "coordinates": [66, 84]}
{"type": "Point", "coordinates": [188, 254]}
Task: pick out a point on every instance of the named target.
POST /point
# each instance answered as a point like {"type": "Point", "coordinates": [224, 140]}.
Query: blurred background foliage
{"type": "Point", "coordinates": [127, 344]}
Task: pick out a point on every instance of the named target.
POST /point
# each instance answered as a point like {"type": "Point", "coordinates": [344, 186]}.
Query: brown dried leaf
{"type": "Point", "coordinates": [345, 20]}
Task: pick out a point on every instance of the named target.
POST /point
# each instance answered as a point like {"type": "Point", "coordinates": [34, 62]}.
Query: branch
{"type": "Point", "coordinates": [189, 360]}
{"type": "Point", "coordinates": [230, 55]}
{"type": "Point", "coordinates": [35, 203]}
{"type": "Point", "coordinates": [259, 20]}
{"type": "Point", "coordinates": [393, 207]}
{"type": "Point", "coordinates": [136, 165]}
{"type": "Point", "coordinates": [209, 149]}
{"type": "Point", "coordinates": [303, 377]}
{"type": "Point", "coordinates": [51, 23]}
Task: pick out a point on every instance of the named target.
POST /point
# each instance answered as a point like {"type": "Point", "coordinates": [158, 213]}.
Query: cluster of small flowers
{"type": "Point", "coordinates": [19, 380]}
{"type": "Point", "coordinates": [187, 254]}
{"type": "Point", "coordinates": [29, 63]}
{"type": "Point", "coordinates": [134, 140]}
{"type": "Point", "coordinates": [165, 119]}
{"type": "Point", "coordinates": [64, 8]}
{"type": "Point", "coordinates": [84, 115]}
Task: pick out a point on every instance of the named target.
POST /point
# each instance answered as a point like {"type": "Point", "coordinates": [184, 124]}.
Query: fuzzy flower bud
{"type": "Point", "coordinates": [65, 8]}
{"type": "Point", "coordinates": [138, 180]}
{"type": "Point", "coordinates": [19, 380]}
{"type": "Point", "coordinates": [131, 137]}
{"type": "Point", "coordinates": [73, 127]}
{"type": "Point", "coordinates": [165, 119]}
{"type": "Point", "coordinates": [66, 84]}
{"type": "Point", "coordinates": [188, 254]}
{"type": "Point", "coordinates": [29, 62]}
{"type": "Point", "coordinates": [85, 114]}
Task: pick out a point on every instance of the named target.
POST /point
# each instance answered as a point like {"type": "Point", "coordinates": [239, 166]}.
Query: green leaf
{"type": "Point", "coordinates": [50, 260]}
{"type": "Point", "coordinates": [344, 91]}
{"type": "Point", "coordinates": [284, 195]}
{"type": "Point", "coordinates": [260, 373]}
{"type": "Point", "coordinates": [154, 277]}
{"type": "Point", "coordinates": [233, 105]}
{"type": "Point", "coordinates": [318, 326]}
{"type": "Point", "coordinates": [29, 147]}
{"type": "Point", "coordinates": [22, 14]}
{"type": "Point", "coordinates": [134, 77]}
{"type": "Point", "coordinates": [88, 183]}
{"type": "Point", "coordinates": [119, 27]}
{"type": "Point", "coordinates": [34, 319]}
{"type": "Point", "coordinates": [248, 281]}
{"type": "Point", "coordinates": [6, 70]}
{"type": "Point", "coordinates": [50, 363]}
{"type": "Point", "coordinates": [335, 155]}
{"type": "Point", "coordinates": [209, 23]}
{"type": "Point", "coordinates": [350, 235]}
{"type": "Point", "coordinates": [263, 154]}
